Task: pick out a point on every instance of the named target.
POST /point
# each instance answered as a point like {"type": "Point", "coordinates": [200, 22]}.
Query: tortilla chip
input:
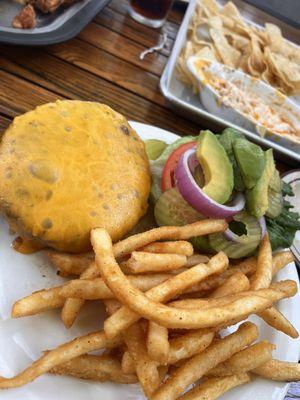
{"type": "Point", "coordinates": [256, 62]}
{"type": "Point", "coordinates": [229, 55]}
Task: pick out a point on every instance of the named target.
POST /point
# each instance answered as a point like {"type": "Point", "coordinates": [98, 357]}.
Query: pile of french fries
{"type": "Point", "coordinates": [166, 308]}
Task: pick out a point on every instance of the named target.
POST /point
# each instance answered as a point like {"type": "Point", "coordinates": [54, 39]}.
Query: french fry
{"type": "Point", "coordinates": [245, 360]}
{"type": "Point", "coordinates": [143, 262]}
{"type": "Point", "coordinates": [279, 371]}
{"type": "Point", "coordinates": [280, 260]}
{"type": "Point", "coordinates": [176, 247]}
{"type": "Point", "coordinates": [70, 264]}
{"type": "Point", "coordinates": [181, 347]}
{"type": "Point", "coordinates": [159, 313]}
{"type": "Point", "coordinates": [247, 267]}
{"type": "Point", "coordinates": [127, 363]}
{"type": "Point", "coordinates": [38, 302]}
{"type": "Point", "coordinates": [275, 292]}
{"type": "Point", "coordinates": [146, 369]}
{"type": "Point", "coordinates": [262, 279]}
{"type": "Point", "coordinates": [59, 355]}
{"type": "Point", "coordinates": [97, 368]}
{"type": "Point", "coordinates": [213, 388]}
{"type": "Point", "coordinates": [73, 306]}
{"type": "Point", "coordinates": [277, 320]}
{"type": "Point", "coordinates": [125, 317]}
{"type": "Point", "coordinates": [139, 240]}
{"type": "Point", "coordinates": [93, 289]}
{"type": "Point", "coordinates": [158, 343]}
{"type": "Point", "coordinates": [197, 366]}
{"type": "Point", "coordinates": [263, 274]}
{"type": "Point", "coordinates": [238, 282]}
{"type": "Point", "coordinates": [189, 344]}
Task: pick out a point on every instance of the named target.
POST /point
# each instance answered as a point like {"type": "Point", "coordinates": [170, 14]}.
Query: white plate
{"type": "Point", "coordinates": [23, 340]}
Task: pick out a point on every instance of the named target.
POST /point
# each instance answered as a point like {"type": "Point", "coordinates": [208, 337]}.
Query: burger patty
{"type": "Point", "coordinates": [70, 166]}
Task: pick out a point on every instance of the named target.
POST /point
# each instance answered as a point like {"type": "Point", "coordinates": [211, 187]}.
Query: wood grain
{"type": "Point", "coordinates": [18, 95]}
{"type": "Point", "coordinates": [123, 48]}
{"type": "Point", "coordinates": [96, 61]}
{"type": "Point", "coordinates": [71, 82]}
{"type": "Point", "coordinates": [4, 122]}
{"type": "Point", "coordinates": [126, 26]}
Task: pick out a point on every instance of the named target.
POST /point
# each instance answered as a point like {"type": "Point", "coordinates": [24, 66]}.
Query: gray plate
{"type": "Point", "coordinates": [51, 28]}
{"type": "Point", "coordinates": [188, 104]}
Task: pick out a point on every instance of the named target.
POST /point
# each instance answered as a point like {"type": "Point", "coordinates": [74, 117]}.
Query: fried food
{"type": "Point", "coordinates": [25, 19]}
{"type": "Point", "coordinates": [49, 155]}
{"type": "Point", "coordinates": [198, 365]}
{"type": "Point", "coordinates": [71, 307]}
{"type": "Point", "coordinates": [157, 345]}
{"type": "Point", "coordinates": [93, 289]}
{"type": "Point", "coordinates": [204, 227]}
{"type": "Point", "coordinates": [70, 264]}
{"type": "Point", "coordinates": [96, 368]}
{"type": "Point", "coordinates": [63, 353]}
{"type": "Point", "coordinates": [212, 388]}
{"type": "Point", "coordinates": [145, 262]}
{"type": "Point", "coordinates": [164, 315]}
{"type": "Point", "coordinates": [189, 344]}
{"type": "Point", "coordinates": [238, 282]}
{"type": "Point", "coordinates": [146, 369]}
{"type": "Point", "coordinates": [277, 320]}
{"type": "Point", "coordinates": [245, 360]}
{"type": "Point", "coordinates": [263, 274]}
{"type": "Point", "coordinates": [124, 317]}
{"type": "Point", "coordinates": [176, 247]}
{"type": "Point", "coordinates": [220, 33]}
{"type": "Point", "coordinates": [37, 302]}
{"type": "Point", "coordinates": [279, 371]}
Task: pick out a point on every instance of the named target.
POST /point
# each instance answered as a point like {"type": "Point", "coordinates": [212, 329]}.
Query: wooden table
{"type": "Point", "coordinates": [101, 64]}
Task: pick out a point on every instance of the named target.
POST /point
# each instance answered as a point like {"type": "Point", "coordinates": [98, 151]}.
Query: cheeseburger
{"type": "Point", "coordinates": [68, 167]}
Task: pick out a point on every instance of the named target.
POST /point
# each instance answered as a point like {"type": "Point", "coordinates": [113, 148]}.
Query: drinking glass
{"type": "Point", "coordinates": [150, 12]}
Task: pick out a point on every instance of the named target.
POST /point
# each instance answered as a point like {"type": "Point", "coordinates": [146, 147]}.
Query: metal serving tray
{"type": "Point", "coordinates": [188, 104]}
{"type": "Point", "coordinates": [62, 25]}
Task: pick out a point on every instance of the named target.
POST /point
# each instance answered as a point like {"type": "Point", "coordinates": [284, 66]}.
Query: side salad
{"type": "Point", "coordinates": [222, 176]}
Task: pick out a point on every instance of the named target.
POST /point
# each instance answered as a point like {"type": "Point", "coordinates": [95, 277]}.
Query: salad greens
{"type": "Point", "coordinates": [254, 174]}
{"type": "Point", "coordinates": [282, 229]}
{"type": "Point", "coordinates": [158, 165]}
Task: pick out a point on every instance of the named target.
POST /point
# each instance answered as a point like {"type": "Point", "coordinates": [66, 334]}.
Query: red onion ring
{"type": "Point", "coordinates": [194, 195]}
{"type": "Point", "coordinates": [263, 225]}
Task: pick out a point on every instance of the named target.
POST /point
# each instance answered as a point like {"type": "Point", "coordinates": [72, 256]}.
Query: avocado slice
{"type": "Point", "coordinates": [250, 159]}
{"type": "Point", "coordinates": [257, 197]}
{"type": "Point", "coordinates": [216, 167]}
{"type": "Point", "coordinates": [227, 139]}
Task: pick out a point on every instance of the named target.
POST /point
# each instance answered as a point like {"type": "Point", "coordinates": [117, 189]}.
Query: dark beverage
{"type": "Point", "coordinates": [150, 12]}
{"type": "Point", "coordinates": [153, 9]}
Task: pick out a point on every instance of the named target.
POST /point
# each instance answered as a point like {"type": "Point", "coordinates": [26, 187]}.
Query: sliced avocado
{"type": "Point", "coordinates": [257, 197]}
{"type": "Point", "coordinates": [216, 167]}
{"type": "Point", "coordinates": [250, 159]}
{"type": "Point", "coordinates": [227, 139]}
{"type": "Point", "coordinates": [228, 136]}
